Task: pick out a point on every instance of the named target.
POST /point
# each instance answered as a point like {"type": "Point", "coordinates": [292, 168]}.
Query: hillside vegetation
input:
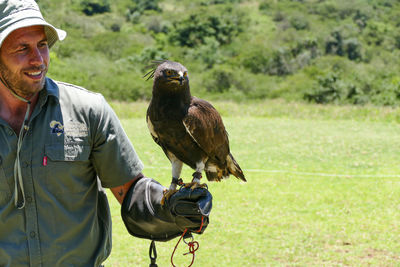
{"type": "Point", "coordinates": [323, 51]}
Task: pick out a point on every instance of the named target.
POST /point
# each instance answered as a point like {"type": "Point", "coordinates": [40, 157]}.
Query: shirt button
{"type": "Point", "coordinates": [29, 199]}
{"type": "Point", "coordinates": [26, 164]}
{"type": "Point", "coordinates": [32, 234]}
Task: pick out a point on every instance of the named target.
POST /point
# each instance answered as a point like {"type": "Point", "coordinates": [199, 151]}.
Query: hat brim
{"type": "Point", "coordinates": [52, 33]}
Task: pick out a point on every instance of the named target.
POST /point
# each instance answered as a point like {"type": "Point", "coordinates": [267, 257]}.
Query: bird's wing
{"type": "Point", "coordinates": [205, 126]}
{"type": "Point", "coordinates": [150, 126]}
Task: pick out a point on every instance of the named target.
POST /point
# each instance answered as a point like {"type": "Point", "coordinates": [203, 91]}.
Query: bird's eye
{"type": "Point", "coordinates": [168, 72]}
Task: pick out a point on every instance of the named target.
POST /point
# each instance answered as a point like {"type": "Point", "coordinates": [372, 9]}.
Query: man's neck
{"type": "Point", "coordinates": [13, 110]}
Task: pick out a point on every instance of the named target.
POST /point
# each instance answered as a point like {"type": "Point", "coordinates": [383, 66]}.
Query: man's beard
{"type": "Point", "coordinates": [16, 83]}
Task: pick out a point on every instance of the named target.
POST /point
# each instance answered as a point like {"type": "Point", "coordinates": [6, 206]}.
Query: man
{"type": "Point", "coordinates": [58, 143]}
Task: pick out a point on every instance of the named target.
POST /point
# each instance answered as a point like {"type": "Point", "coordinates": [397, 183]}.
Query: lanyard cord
{"type": "Point", "coordinates": [17, 165]}
{"type": "Point", "coordinates": [19, 184]}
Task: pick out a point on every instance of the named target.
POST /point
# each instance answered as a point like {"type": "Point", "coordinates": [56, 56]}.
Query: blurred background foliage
{"type": "Point", "coordinates": [321, 51]}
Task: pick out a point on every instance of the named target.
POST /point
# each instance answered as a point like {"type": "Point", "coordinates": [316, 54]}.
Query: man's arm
{"type": "Point", "coordinates": [120, 191]}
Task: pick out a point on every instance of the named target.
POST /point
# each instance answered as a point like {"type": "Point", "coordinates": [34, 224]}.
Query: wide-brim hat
{"type": "Point", "coordinates": [16, 14]}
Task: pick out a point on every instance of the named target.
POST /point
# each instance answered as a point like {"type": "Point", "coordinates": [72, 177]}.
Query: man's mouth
{"type": "Point", "coordinates": [34, 74]}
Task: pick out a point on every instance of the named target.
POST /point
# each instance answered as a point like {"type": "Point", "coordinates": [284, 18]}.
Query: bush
{"type": "Point", "coordinates": [221, 80]}
{"type": "Point", "coordinates": [92, 7]}
{"type": "Point", "coordinates": [334, 44]}
{"type": "Point", "coordinates": [360, 19]}
{"type": "Point", "coordinates": [195, 29]}
{"type": "Point", "coordinates": [344, 88]}
{"type": "Point", "coordinates": [275, 62]}
{"type": "Point", "coordinates": [210, 53]}
{"type": "Point", "coordinates": [138, 7]}
{"type": "Point", "coordinates": [328, 90]}
{"type": "Point", "coordinates": [299, 22]}
{"type": "Point", "coordinates": [352, 48]}
{"type": "Point", "coordinates": [386, 94]}
{"type": "Point", "coordinates": [338, 44]}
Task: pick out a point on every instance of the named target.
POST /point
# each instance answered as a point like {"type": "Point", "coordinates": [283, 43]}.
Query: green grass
{"type": "Point", "coordinates": [323, 189]}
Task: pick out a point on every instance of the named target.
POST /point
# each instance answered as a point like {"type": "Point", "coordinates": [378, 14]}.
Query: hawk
{"type": "Point", "coordinates": [188, 129]}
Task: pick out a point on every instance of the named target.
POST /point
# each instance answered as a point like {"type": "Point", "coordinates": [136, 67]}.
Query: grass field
{"type": "Point", "coordinates": [323, 189]}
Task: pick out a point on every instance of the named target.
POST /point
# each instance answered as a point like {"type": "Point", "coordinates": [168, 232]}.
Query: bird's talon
{"type": "Point", "coordinates": [166, 195]}
{"type": "Point", "coordinates": [194, 185]}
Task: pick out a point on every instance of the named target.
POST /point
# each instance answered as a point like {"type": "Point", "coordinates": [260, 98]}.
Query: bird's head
{"type": "Point", "coordinates": [169, 75]}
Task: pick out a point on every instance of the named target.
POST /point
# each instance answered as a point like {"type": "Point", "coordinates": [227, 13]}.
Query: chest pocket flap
{"type": "Point", "coordinates": [68, 152]}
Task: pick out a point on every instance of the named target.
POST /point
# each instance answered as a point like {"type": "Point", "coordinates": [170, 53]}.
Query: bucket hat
{"type": "Point", "coordinates": [15, 14]}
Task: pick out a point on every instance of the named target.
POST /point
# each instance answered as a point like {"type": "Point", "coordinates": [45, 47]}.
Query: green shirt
{"type": "Point", "coordinates": [74, 141]}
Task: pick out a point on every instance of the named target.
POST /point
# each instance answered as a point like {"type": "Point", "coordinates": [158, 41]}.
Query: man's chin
{"type": "Point", "coordinates": [30, 90]}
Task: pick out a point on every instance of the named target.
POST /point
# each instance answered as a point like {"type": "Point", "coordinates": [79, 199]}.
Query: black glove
{"type": "Point", "coordinates": [145, 217]}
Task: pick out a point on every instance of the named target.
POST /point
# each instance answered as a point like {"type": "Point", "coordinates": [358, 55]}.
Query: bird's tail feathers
{"type": "Point", "coordinates": [234, 167]}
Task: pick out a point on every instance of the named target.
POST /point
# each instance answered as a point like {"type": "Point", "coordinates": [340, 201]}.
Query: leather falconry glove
{"type": "Point", "coordinates": [145, 217]}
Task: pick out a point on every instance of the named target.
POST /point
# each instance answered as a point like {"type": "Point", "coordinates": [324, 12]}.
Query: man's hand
{"type": "Point", "coordinates": [191, 207]}
{"type": "Point", "coordinates": [145, 217]}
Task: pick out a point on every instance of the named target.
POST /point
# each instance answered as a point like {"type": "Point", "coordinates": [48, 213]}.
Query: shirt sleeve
{"type": "Point", "coordinates": [113, 155]}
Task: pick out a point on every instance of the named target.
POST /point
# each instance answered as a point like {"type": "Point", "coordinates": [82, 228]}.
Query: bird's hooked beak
{"type": "Point", "coordinates": [178, 77]}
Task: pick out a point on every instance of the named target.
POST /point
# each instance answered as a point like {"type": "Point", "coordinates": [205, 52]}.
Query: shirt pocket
{"type": "Point", "coordinates": [5, 191]}
{"type": "Point", "coordinates": [68, 168]}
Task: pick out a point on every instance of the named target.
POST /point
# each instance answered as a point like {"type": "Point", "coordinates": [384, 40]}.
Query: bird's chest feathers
{"type": "Point", "coordinates": [168, 110]}
{"type": "Point", "coordinates": [167, 129]}
{"type": "Point", "coordinates": [165, 119]}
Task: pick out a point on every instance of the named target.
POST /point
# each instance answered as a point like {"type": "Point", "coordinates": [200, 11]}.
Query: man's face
{"type": "Point", "coordinates": [24, 60]}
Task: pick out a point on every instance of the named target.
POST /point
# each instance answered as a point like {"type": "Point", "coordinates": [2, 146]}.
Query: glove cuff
{"type": "Point", "coordinates": [143, 214]}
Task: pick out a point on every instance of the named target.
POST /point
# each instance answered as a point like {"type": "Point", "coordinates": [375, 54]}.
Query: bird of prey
{"type": "Point", "coordinates": [188, 129]}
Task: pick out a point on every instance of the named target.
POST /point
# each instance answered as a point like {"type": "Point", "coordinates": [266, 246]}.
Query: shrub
{"type": "Point", "coordinates": [326, 91]}
{"type": "Point", "coordinates": [209, 53]}
{"type": "Point", "coordinates": [334, 44]}
{"type": "Point", "coordinates": [386, 94]}
{"type": "Point", "coordinates": [299, 22]}
{"type": "Point", "coordinates": [193, 30]}
{"type": "Point", "coordinates": [352, 49]}
{"type": "Point", "coordinates": [275, 62]}
{"type": "Point", "coordinates": [138, 7]}
{"type": "Point", "coordinates": [223, 78]}
{"type": "Point", "coordinates": [217, 2]}
{"type": "Point", "coordinates": [91, 7]}
{"type": "Point", "coordinates": [360, 19]}
{"type": "Point", "coordinates": [337, 44]}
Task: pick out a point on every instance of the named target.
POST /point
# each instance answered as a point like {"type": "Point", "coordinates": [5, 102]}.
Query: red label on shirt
{"type": "Point", "coordinates": [45, 161]}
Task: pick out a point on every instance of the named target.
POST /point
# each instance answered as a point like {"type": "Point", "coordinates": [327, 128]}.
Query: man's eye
{"type": "Point", "coordinates": [21, 48]}
{"type": "Point", "coordinates": [44, 44]}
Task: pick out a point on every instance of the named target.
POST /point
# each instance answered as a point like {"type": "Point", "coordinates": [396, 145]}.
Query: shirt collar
{"type": "Point", "coordinates": [50, 89]}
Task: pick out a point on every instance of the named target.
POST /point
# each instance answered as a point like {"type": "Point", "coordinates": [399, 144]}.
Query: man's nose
{"type": "Point", "coordinates": [36, 57]}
